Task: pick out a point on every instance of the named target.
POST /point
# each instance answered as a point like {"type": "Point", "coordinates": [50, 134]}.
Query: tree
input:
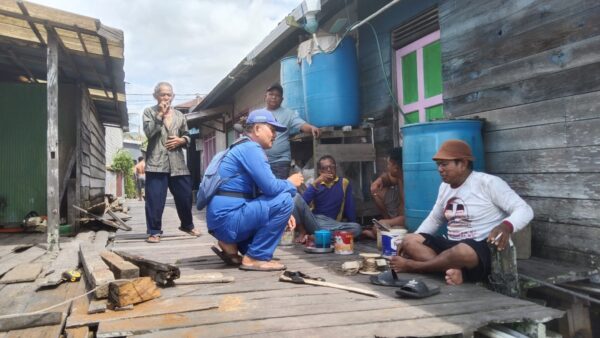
{"type": "Point", "coordinates": [123, 163]}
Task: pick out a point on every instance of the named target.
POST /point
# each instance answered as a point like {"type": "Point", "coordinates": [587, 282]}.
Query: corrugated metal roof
{"type": "Point", "coordinates": [92, 53]}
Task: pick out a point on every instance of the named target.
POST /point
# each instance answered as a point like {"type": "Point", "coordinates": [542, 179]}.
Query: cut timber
{"type": "Point", "coordinates": [22, 321]}
{"type": "Point", "coordinates": [100, 219]}
{"type": "Point", "coordinates": [22, 273]}
{"type": "Point", "coordinates": [97, 272]}
{"type": "Point", "coordinates": [14, 259]}
{"type": "Point", "coordinates": [100, 240]}
{"type": "Point", "coordinates": [119, 221]}
{"type": "Point", "coordinates": [132, 292]}
{"type": "Point", "coordinates": [97, 306]}
{"type": "Point", "coordinates": [149, 308]}
{"type": "Point", "coordinates": [120, 267]}
{"type": "Point", "coordinates": [67, 259]}
{"type": "Point", "coordinates": [204, 278]}
{"type": "Point", "coordinates": [163, 274]}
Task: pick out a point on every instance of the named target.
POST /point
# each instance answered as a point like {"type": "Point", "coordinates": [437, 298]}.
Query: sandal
{"type": "Point", "coordinates": [260, 266]}
{"type": "Point", "coordinates": [153, 239]}
{"type": "Point", "coordinates": [229, 259]}
{"type": "Point", "coordinates": [193, 232]}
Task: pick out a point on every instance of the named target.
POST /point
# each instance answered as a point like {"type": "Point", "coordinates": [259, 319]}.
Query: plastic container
{"type": "Point", "coordinates": [322, 239]}
{"type": "Point", "coordinates": [331, 89]}
{"type": "Point", "coordinates": [388, 241]}
{"type": "Point", "coordinates": [290, 76]}
{"type": "Point", "coordinates": [421, 178]}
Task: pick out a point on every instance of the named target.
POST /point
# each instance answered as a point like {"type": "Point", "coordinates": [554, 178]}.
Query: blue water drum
{"type": "Point", "coordinates": [330, 83]}
{"type": "Point", "coordinates": [290, 76]}
{"type": "Point", "coordinates": [421, 178]}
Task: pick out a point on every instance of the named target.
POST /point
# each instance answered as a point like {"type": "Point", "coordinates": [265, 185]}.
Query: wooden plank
{"type": "Point", "coordinates": [558, 254]}
{"type": "Point", "coordinates": [163, 274]}
{"type": "Point", "coordinates": [552, 271]}
{"type": "Point", "coordinates": [555, 185]}
{"type": "Point", "coordinates": [118, 220]}
{"type": "Point", "coordinates": [567, 236]}
{"type": "Point", "coordinates": [53, 189]}
{"type": "Point", "coordinates": [97, 306]}
{"type": "Point", "coordinates": [120, 267]}
{"type": "Point", "coordinates": [22, 321]}
{"type": "Point", "coordinates": [149, 308]}
{"type": "Point", "coordinates": [97, 272]}
{"type": "Point", "coordinates": [347, 152]}
{"type": "Point", "coordinates": [581, 212]}
{"type": "Point", "coordinates": [100, 240]}
{"type": "Point", "coordinates": [204, 278]}
{"type": "Point", "coordinates": [138, 290]}
{"type": "Point", "coordinates": [22, 273]}
{"type": "Point", "coordinates": [20, 258]}
{"type": "Point", "coordinates": [561, 160]}
{"type": "Point", "coordinates": [67, 259]}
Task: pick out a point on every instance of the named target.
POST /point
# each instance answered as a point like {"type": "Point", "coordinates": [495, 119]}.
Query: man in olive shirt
{"type": "Point", "coordinates": [167, 134]}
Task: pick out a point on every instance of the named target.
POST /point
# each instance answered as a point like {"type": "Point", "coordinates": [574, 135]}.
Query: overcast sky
{"type": "Point", "coordinates": [190, 43]}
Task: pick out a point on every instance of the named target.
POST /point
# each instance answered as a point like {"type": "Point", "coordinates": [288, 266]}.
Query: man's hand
{"type": "Point", "coordinates": [291, 224]}
{"type": "Point", "coordinates": [296, 179]}
{"type": "Point", "coordinates": [500, 236]}
{"type": "Point", "coordinates": [376, 186]}
{"type": "Point", "coordinates": [316, 132]}
{"type": "Point", "coordinates": [325, 177]}
{"type": "Point", "coordinates": [163, 108]}
{"type": "Point", "coordinates": [175, 142]}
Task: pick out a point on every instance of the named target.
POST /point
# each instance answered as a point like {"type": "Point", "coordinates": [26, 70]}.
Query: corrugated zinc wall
{"type": "Point", "coordinates": [23, 151]}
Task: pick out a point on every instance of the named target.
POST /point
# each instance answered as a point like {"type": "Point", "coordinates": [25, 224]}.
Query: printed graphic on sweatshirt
{"type": "Point", "coordinates": [457, 215]}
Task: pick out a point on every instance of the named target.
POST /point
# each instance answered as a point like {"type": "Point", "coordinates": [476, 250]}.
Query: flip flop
{"type": "Point", "coordinates": [387, 279]}
{"type": "Point", "coordinates": [260, 266]}
{"type": "Point", "coordinates": [192, 232]}
{"type": "Point", "coordinates": [153, 239]}
{"type": "Point", "coordinates": [417, 289]}
{"type": "Point", "coordinates": [229, 259]}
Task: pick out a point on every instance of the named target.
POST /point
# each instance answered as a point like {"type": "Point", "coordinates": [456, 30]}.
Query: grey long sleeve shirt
{"type": "Point", "coordinates": [158, 158]}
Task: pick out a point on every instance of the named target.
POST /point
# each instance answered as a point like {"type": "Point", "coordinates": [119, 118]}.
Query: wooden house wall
{"type": "Point", "coordinates": [91, 163]}
{"type": "Point", "coordinates": [374, 94]}
{"type": "Point", "coordinates": [531, 69]}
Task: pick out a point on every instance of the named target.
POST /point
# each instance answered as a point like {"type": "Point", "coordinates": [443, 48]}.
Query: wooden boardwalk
{"type": "Point", "coordinates": [257, 304]}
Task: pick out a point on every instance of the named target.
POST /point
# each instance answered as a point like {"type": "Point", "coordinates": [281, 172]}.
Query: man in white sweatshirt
{"type": "Point", "coordinates": [478, 208]}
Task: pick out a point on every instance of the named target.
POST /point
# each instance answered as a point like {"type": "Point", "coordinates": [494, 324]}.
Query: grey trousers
{"type": "Point", "coordinates": [313, 222]}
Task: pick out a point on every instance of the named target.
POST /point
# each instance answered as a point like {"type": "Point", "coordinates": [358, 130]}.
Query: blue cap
{"type": "Point", "coordinates": [264, 116]}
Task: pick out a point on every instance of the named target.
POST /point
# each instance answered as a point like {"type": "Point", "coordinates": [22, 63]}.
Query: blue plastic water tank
{"type": "Point", "coordinates": [421, 178]}
{"type": "Point", "coordinates": [330, 85]}
{"type": "Point", "coordinates": [290, 76]}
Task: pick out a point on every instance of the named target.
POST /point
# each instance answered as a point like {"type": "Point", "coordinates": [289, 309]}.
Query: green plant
{"type": "Point", "coordinates": [123, 163]}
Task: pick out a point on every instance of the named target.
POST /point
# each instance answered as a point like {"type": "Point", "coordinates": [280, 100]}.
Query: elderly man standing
{"type": "Point", "coordinates": [478, 208]}
{"type": "Point", "coordinates": [167, 134]}
{"type": "Point", "coordinates": [280, 155]}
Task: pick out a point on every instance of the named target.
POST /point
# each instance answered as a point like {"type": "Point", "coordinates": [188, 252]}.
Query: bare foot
{"type": "Point", "coordinates": [400, 264]}
{"type": "Point", "coordinates": [454, 276]}
{"type": "Point", "coordinates": [369, 233]}
{"type": "Point", "coordinates": [301, 238]}
{"type": "Point", "coordinates": [248, 261]}
{"type": "Point", "coordinates": [230, 249]}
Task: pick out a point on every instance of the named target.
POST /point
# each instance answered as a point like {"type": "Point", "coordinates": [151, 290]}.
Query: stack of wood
{"type": "Point", "coordinates": [110, 212]}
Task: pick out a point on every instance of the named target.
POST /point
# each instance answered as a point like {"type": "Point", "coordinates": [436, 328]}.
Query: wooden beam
{"type": "Point", "coordinates": [31, 24]}
{"type": "Point", "coordinates": [53, 201]}
{"type": "Point", "coordinates": [87, 54]}
{"type": "Point", "coordinates": [120, 267]}
{"type": "Point", "coordinates": [97, 272]}
{"type": "Point", "coordinates": [20, 64]}
{"type": "Point", "coordinates": [31, 320]}
{"type": "Point", "coordinates": [109, 70]}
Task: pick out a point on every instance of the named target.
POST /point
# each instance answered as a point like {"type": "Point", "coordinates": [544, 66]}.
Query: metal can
{"type": "Point", "coordinates": [344, 243]}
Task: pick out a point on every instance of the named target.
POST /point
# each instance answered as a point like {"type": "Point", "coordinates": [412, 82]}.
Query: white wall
{"type": "Point", "coordinates": [113, 138]}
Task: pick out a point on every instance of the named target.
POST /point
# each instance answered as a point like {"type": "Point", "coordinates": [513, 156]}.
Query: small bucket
{"type": "Point", "coordinates": [322, 239]}
{"type": "Point", "coordinates": [388, 241]}
{"type": "Point", "coordinates": [344, 242]}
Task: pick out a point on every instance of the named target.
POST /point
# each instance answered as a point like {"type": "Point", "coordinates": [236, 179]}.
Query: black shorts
{"type": "Point", "coordinates": [476, 274]}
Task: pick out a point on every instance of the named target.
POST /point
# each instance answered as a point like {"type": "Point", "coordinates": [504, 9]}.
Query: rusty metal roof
{"type": "Point", "coordinates": [91, 53]}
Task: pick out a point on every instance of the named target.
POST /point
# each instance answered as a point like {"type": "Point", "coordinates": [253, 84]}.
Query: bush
{"type": "Point", "coordinates": [123, 163]}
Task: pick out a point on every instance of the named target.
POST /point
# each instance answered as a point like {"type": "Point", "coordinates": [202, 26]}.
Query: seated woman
{"type": "Point", "coordinates": [239, 217]}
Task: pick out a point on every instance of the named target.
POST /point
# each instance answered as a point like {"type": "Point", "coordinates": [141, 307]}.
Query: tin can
{"type": "Point", "coordinates": [344, 243]}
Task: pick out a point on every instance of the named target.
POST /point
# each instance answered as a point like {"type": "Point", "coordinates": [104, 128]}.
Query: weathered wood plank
{"type": "Point", "coordinates": [22, 321]}
{"type": "Point", "coordinates": [555, 185]}
{"type": "Point", "coordinates": [347, 152]}
{"type": "Point", "coordinates": [571, 211]}
{"type": "Point", "coordinates": [552, 271]}
{"type": "Point", "coordinates": [15, 259]}
{"type": "Point", "coordinates": [22, 273]}
{"type": "Point", "coordinates": [100, 240]}
{"type": "Point", "coordinates": [567, 236]}
{"type": "Point", "coordinates": [120, 267]}
{"type": "Point", "coordinates": [543, 250]}
{"type": "Point", "coordinates": [149, 308]}
{"type": "Point", "coordinates": [52, 161]}
{"type": "Point", "coordinates": [560, 84]}
{"type": "Point", "coordinates": [97, 272]}
{"type": "Point", "coordinates": [561, 160]}
{"type": "Point", "coordinates": [132, 292]}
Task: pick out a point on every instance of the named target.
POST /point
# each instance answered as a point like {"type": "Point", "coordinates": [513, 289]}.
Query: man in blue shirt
{"type": "Point", "coordinates": [332, 201]}
{"type": "Point", "coordinates": [280, 155]}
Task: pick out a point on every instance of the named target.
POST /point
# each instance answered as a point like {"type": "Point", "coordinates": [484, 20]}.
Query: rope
{"type": "Point", "coordinates": [61, 303]}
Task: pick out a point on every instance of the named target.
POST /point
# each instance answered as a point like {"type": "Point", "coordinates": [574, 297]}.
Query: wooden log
{"type": "Point", "coordinates": [163, 274]}
{"type": "Point", "coordinates": [97, 272]}
{"type": "Point", "coordinates": [21, 321]}
{"type": "Point", "coordinates": [120, 267]}
{"type": "Point", "coordinates": [119, 221]}
{"type": "Point", "coordinates": [132, 292]}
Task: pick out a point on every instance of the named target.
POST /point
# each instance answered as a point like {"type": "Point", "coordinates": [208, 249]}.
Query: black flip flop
{"type": "Point", "coordinates": [416, 289]}
{"type": "Point", "coordinates": [228, 259]}
{"type": "Point", "coordinates": [387, 279]}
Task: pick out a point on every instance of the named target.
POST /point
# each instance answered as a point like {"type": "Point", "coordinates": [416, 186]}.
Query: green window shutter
{"type": "Point", "coordinates": [412, 117]}
{"type": "Point", "coordinates": [432, 63]}
{"type": "Point", "coordinates": [435, 112]}
{"type": "Point", "coordinates": [409, 78]}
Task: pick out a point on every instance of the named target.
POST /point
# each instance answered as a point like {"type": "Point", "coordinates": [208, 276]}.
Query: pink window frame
{"type": "Point", "coordinates": [209, 149]}
{"type": "Point", "coordinates": [422, 102]}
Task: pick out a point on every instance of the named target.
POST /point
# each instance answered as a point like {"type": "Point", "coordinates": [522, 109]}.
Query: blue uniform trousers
{"type": "Point", "coordinates": [156, 195]}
